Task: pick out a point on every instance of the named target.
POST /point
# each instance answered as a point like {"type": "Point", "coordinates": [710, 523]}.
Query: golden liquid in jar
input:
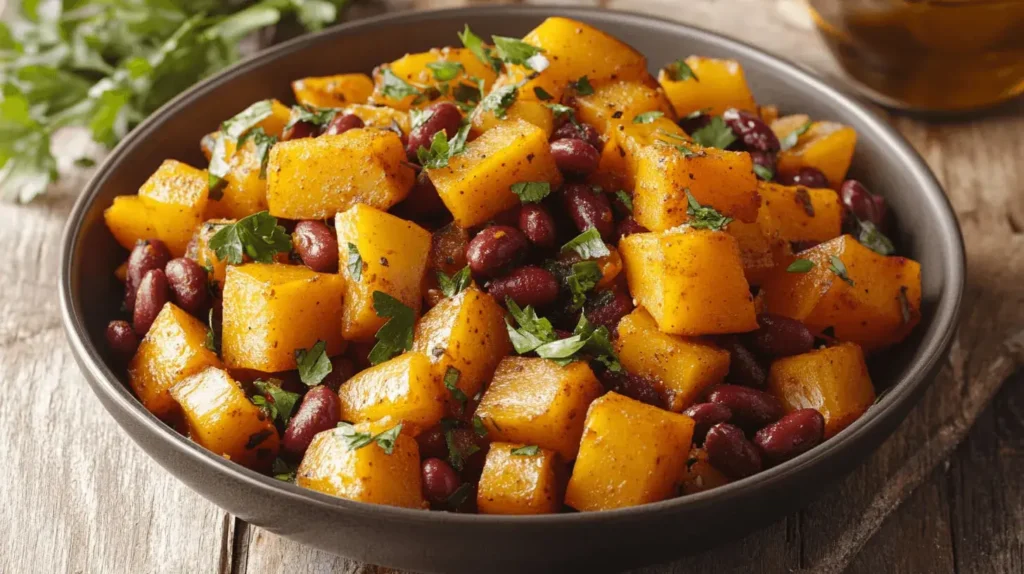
{"type": "Point", "coordinates": [928, 55]}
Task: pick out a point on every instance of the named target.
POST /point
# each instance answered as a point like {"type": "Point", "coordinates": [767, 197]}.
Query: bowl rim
{"type": "Point", "coordinates": [926, 357]}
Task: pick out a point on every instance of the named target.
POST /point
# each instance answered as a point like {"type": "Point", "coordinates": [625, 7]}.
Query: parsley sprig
{"type": "Point", "coordinates": [258, 236]}
{"type": "Point", "coordinates": [356, 440]}
{"type": "Point", "coordinates": [395, 336]}
{"type": "Point", "coordinates": [716, 134]}
{"type": "Point", "coordinates": [680, 71]}
{"type": "Point", "coordinates": [704, 217]}
{"type": "Point", "coordinates": [535, 334]}
{"type": "Point", "coordinates": [531, 191]}
{"type": "Point", "coordinates": [456, 283]}
{"type": "Point", "coordinates": [275, 401]}
{"type": "Point", "coordinates": [313, 364]}
{"type": "Point", "coordinates": [587, 245]}
{"type": "Point", "coordinates": [441, 149]}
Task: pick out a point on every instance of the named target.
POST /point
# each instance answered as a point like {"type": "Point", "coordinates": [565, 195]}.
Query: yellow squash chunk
{"type": "Point", "coordinates": [176, 195]}
{"type": "Point", "coordinates": [618, 103]}
{"type": "Point", "coordinates": [685, 366]}
{"type": "Point", "coordinates": [220, 418]}
{"type": "Point", "coordinates": [244, 192]}
{"type": "Point", "coordinates": [333, 91]}
{"type": "Point", "coordinates": [199, 249]}
{"type": "Point", "coordinates": [800, 213]}
{"type": "Point", "coordinates": [130, 221]}
{"type": "Point", "coordinates": [380, 117]}
{"type": "Point", "coordinates": [404, 389]}
{"type": "Point", "coordinates": [394, 257]}
{"type": "Point", "coordinates": [719, 85]}
{"type": "Point", "coordinates": [519, 483]}
{"type": "Point", "coordinates": [271, 310]}
{"type": "Point", "coordinates": [366, 474]}
{"type": "Point", "coordinates": [173, 349]}
{"type": "Point", "coordinates": [880, 309]}
{"type": "Point", "coordinates": [717, 178]}
{"type": "Point", "coordinates": [537, 113]}
{"type": "Point", "coordinates": [315, 178]}
{"type": "Point", "coordinates": [477, 184]}
{"type": "Point", "coordinates": [690, 280]}
{"type": "Point", "coordinates": [700, 475]}
{"type": "Point", "coordinates": [826, 146]}
{"type": "Point", "coordinates": [536, 401]}
{"type": "Point", "coordinates": [414, 70]}
{"type": "Point", "coordinates": [759, 252]}
{"type": "Point", "coordinates": [834, 381]}
{"type": "Point", "coordinates": [466, 332]}
{"type": "Point", "coordinates": [623, 149]}
{"type": "Point", "coordinates": [274, 124]}
{"type": "Point", "coordinates": [631, 454]}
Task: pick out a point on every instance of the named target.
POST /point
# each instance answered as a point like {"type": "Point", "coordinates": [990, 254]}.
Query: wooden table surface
{"type": "Point", "coordinates": [944, 493]}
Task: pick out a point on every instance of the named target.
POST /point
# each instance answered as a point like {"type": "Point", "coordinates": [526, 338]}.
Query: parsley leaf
{"type": "Point", "coordinates": [236, 126]}
{"type": "Point", "coordinates": [531, 191]}
{"type": "Point", "coordinates": [626, 199]}
{"type": "Point", "coordinates": [542, 94]}
{"type": "Point", "coordinates": [395, 336]}
{"type": "Point", "coordinates": [396, 88]}
{"type": "Point", "coordinates": [458, 282]}
{"type": "Point", "coordinates": [356, 440]}
{"type": "Point", "coordinates": [875, 240]}
{"type": "Point", "coordinates": [211, 335]}
{"type": "Point", "coordinates": [282, 470]}
{"type": "Point", "coordinates": [647, 117]}
{"type": "Point", "coordinates": [561, 111]}
{"type": "Point", "coordinates": [702, 217]}
{"type": "Point", "coordinates": [765, 173]}
{"type": "Point", "coordinates": [419, 117]}
{"type": "Point", "coordinates": [529, 450]}
{"type": "Point", "coordinates": [584, 277]}
{"type": "Point", "coordinates": [386, 440]}
{"type": "Point", "coordinates": [715, 134]}
{"type": "Point", "coordinates": [354, 265]}
{"type": "Point", "coordinates": [587, 245]}
{"type": "Point", "coordinates": [456, 455]}
{"type": "Point", "coordinates": [478, 426]}
{"type": "Point", "coordinates": [791, 138]}
{"type": "Point", "coordinates": [258, 236]}
{"type": "Point", "coordinates": [475, 44]}
{"type": "Point", "coordinates": [518, 52]}
{"type": "Point", "coordinates": [598, 344]}
{"type": "Point", "coordinates": [316, 117]}
{"type": "Point", "coordinates": [313, 364]}
{"type": "Point", "coordinates": [445, 71]}
{"type": "Point", "coordinates": [262, 143]}
{"type": "Point", "coordinates": [680, 71]}
{"type": "Point", "coordinates": [683, 147]}
{"type": "Point", "coordinates": [839, 269]}
{"type": "Point", "coordinates": [500, 99]}
{"type": "Point", "coordinates": [232, 130]}
{"type": "Point", "coordinates": [461, 495]}
{"type": "Point", "coordinates": [533, 331]}
{"type": "Point", "coordinates": [535, 334]}
{"type": "Point", "coordinates": [800, 266]}
{"type": "Point", "coordinates": [277, 401]}
{"type": "Point", "coordinates": [583, 87]}
{"type": "Point", "coordinates": [441, 150]}
{"type": "Point", "coordinates": [451, 381]}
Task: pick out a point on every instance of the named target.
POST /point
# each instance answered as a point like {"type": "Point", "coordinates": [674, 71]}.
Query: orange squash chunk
{"type": "Point", "coordinates": [826, 146]}
{"type": "Point", "coordinates": [797, 213]}
{"type": "Point", "coordinates": [403, 389]}
{"type": "Point", "coordinates": [620, 156]}
{"type": "Point", "coordinates": [414, 69]}
{"type": "Point", "coordinates": [519, 483]}
{"type": "Point", "coordinates": [176, 196]}
{"type": "Point", "coordinates": [719, 85]}
{"type": "Point", "coordinates": [618, 103]}
{"type": "Point", "coordinates": [199, 249]}
{"type": "Point", "coordinates": [333, 91]}
{"type": "Point", "coordinates": [244, 192]}
{"type": "Point", "coordinates": [700, 475]}
{"type": "Point", "coordinates": [130, 220]}
{"type": "Point", "coordinates": [759, 251]}
{"type": "Point", "coordinates": [537, 113]}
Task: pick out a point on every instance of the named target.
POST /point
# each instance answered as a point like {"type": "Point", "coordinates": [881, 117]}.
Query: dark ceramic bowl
{"type": "Point", "coordinates": [443, 542]}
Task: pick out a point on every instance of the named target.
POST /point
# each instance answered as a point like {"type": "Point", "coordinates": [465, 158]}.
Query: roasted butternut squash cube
{"type": "Point", "coordinates": [380, 117]}
{"type": "Point", "coordinates": [306, 179]}
{"type": "Point", "coordinates": [173, 349]}
{"type": "Point", "coordinates": [700, 475]}
{"type": "Point", "coordinates": [718, 86]}
{"type": "Point", "coordinates": [537, 401]}
{"type": "Point", "coordinates": [466, 332]}
{"type": "Point", "coordinates": [879, 309]}
{"type": "Point", "coordinates": [404, 389]}
{"type": "Point", "coordinates": [826, 146]}
{"type": "Point", "coordinates": [477, 184]}
{"type": "Point", "coordinates": [617, 103]}
{"type": "Point", "coordinates": [130, 220]}
{"type": "Point", "coordinates": [759, 252]}
{"type": "Point", "coordinates": [690, 280]}
{"type": "Point", "coordinates": [220, 418]}
{"type": "Point", "coordinates": [199, 249]}
{"type": "Point", "coordinates": [335, 91]}
{"type": "Point", "coordinates": [393, 254]}
{"type": "Point", "coordinates": [800, 213]}
{"type": "Point", "coordinates": [685, 366]}
{"type": "Point", "coordinates": [176, 195]}
{"type": "Point", "coordinates": [244, 192]}
{"type": "Point", "coordinates": [515, 482]}
{"type": "Point", "coordinates": [718, 178]}
{"type": "Point", "coordinates": [274, 124]}
{"type": "Point", "coordinates": [415, 70]}
{"type": "Point", "coordinates": [272, 310]}
{"type": "Point", "coordinates": [537, 113]}
{"type": "Point", "coordinates": [623, 149]}
{"type": "Point", "coordinates": [366, 474]}
{"type": "Point", "coordinates": [631, 454]}
{"type": "Point", "coordinates": [833, 380]}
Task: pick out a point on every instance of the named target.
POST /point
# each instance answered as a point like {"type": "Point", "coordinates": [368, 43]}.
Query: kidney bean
{"type": "Point", "coordinates": [146, 255]}
{"type": "Point", "coordinates": [440, 116]}
{"type": "Point", "coordinates": [300, 130]}
{"type": "Point", "coordinates": [793, 434]}
{"type": "Point", "coordinates": [765, 159]}
{"type": "Point", "coordinates": [342, 123]}
{"type": "Point", "coordinates": [538, 225]}
{"type": "Point", "coordinates": [628, 227]}
{"type": "Point", "coordinates": [751, 130]}
{"type": "Point", "coordinates": [579, 131]}
{"type": "Point", "coordinates": [439, 480]}
{"type": "Point", "coordinates": [575, 156]}
{"type": "Point", "coordinates": [639, 387]}
{"type": "Point", "coordinates": [320, 410]}
{"type": "Point", "coordinates": [317, 246]}
{"type": "Point", "coordinates": [705, 416]}
{"type": "Point", "coordinates": [528, 285]}
{"type": "Point", "coordinates": [121, 339]}
{"type": "Point", "coordinates": [779, 336]}
{"type": "Point", "coordinates": [494, 249]}
{"type": "Point", "coordinates": [856, 198]}
{"type": "Point", "coordinates": [881, 209]}
{"type": "Point", "coordinates": [751, 409]}
{"type": "Point", "coordinates": [691, 124]}
{"type": "Point", "coordinates": [150, 300]}
{"type": "Point", "coordinates": [188, 283]}
{"type": "Point", "coordinates": [609, 314]}
{"type": "Point", "coordinates": [744, 368]}
{"type": "Point", "coordinates": [588, 208]}
{"type": "Point", "coordinates": [805, 176]}
{"type": "Point", "coordinates": [730, 452]}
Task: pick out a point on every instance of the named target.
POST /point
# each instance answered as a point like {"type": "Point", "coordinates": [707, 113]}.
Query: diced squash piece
{"type": "Point", "coordinates": [759, 253]}
{"type": "Point", "coordinates": [833, 380]}
{"type": "Point", "coordinates": [685, 366]}
{"type": "Point", "coordinates": [466, 332]}
{"type": "Point", "coordinates": [176, 195]}
{"type": "Point", "coordinates": [826, 146]}
{"type": "Point", "coordinates": [244, 192]}
{"type": "Point", "coordinates": [274, 124]}
{"type": "Point", "coordinates": [306, 179]}
{"type": "Point", "coordinates": [800, 213]}
{"type": "Point", "coordinates": [717, 178]}
{"type": "Point", "coordinates": [130, 221]}
{"type": "Point", "coordinates": [380, 117]}
{"type": "Point", "coordinates": [537, 401]}
{"type": "Point", "coordinates": [220, 418]}
{"type": "Point", "coordinates": [537, 113]}
{"type": "Point", "coordinates": [333, 91]}
{"type": "Point", "coordinates": [121, 272]}
{"type": "Point", "coordinates": [272, 310]}
{"type": "Point", "coordinates": [700, 475]}
{"type": "Point", "coordinates": [403, 389]}
{"type": "Point", "coordinates": [880, 309]}
{"type": "Point", "coordinates": [768, 113]}
{"type": "Point", "coordinates": [618, 103]}
{"type": "Point", "coordinates": [414, 70]}
{"type": "Point", "coordinates": [173, 349]}
{"type": "Point", "coordinates": [477, 184]}
{"type": "Point", "coordinates": [366, 474]}
{"type": "Point", "coordinates": [620, 156]}
{"type": "Point", "coordinates": [199, 249]}
{"type": "Point", "coordinates": [718, 86]}
{"type": "Point", "coordinates": [394, 257]}
{"type": "Point", "coordinates": [519, 483]}
{"type": "Point", "coordinates": [690, 280]}
{"type": "Point", "coordinates": [631, 454]}
{"type": "Point", "coordinates": [574, 50]}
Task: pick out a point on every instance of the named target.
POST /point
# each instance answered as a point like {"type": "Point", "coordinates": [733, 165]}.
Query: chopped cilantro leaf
{"type": "Point", "coordinates": [531, 191]}
{"type": "Point", "coordinates": [445, 71]}
{"type": "Point", "coordinates": [715, 134]}
{"type": "Point", "coordinates": [478, 426]}
{"type": "Point", "coordinates": [542, 94]}
{"type": "Point", "coordinates": [800, 266]}
{"type": "Point", "coordinates": [279, 402]}
{"type": "Point", "coordinates": [680, 71]}
{"type": "Point", "coordinates": [528, 450]}
{"type": "Point", "coordinates": [396, 88]}
{"type": "Point", "coordinates": [313, 364]}
{"type": "Point", "coordinates": [394, 336]}
{"type": "Point", "coordinates": [475, 44]}
{"type": "Point", "coordinates": [354, 265]}
{"type": "Point", "coordinates": [258, 236]}
{"type": "Point", "coordinates": [839, 269]}
{"type": "Point", "coordinates": [584, 277]}
{"type": "Point", "coordinates": [316, 117]}
{"type": "Point", "coordinates": [703, 217]}
{"type": "Point", "coordinates": [500, 99]}
{"type": "Point", "coordinates": [455, 284]}
{"type": "Point", "coordinates": [583, 87]}
{"type": "Point", "coordinates": [792, 137]}
{"type": "Point", "coordinates": [647, 117]}
{"type": "Point", "coordinates": [875, 240]}
{"type": "Point", "coordinates": [451, 381]}
{"type": "Point", "coordinates": [764, 173]}
{"type": "Point", "coordinates": [626, 199]}
{"type": "Point", "coordinates": [441, 150]}
{"type": "Point", "coordinates": [518, 52]}
{"type": "Point", "coordinates": [587, 245]}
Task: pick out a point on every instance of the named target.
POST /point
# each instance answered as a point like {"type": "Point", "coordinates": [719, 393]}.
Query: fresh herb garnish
{"type": "Point", "coordinates": [457, 456]}
{"type": "Point", "coordinates": [233, 130]}
{"type": "Point", "coordinates": [275, 401]}
{"type": "Point", "coordinates": [528, 450]}
{"type": "Point", "coordinates": [531, 191]}
{"type": "Point", "coordinates": [647, 117]}
{"type": "Point", "coordinates": [211, 337]}
{"type": "Point", "coordinates": [584, 277]}
{"type": "Point", "coordinates": [314, 116]}
{"type": "Point", "coordinates": [441, 149]}
{"type": "Point", "coordinates": [518, 52]}
{"type": "Point", "coordinates": [875, 240]}
{"type": "Point", "coordinates": [451, 382]}
{"type": "Point", "coordinates": [587, 245]}
{"type": "Point", "coordinates": [461, 495]}
{"type": "Point", "coordinates": [456, 283]}
{"type": "Point", "coordinates": [582, 86]}
{"type": "Point", "coordinates": [704, 217]}
{"type": "Point", "coordinates": [680, 71]}
{"type": "Point", "coordinates": [257, 235]}
{"type": "Point", "coordinates": [683, 147]}
{"type": "Point", "coordinates": [800, 266]}
{"type": "Point", "coordinates": [904, 304]}
{"type": "Point", "coordinates": [419, 117]}
{"type": "Point", "coordinates": [542, 94]}
{"type": "Point", "coordinates": [396, 88]}
{"type": "Point", "coordinates": [715, 134]}
{"type": "Point", "coordinates": [765, 173]}
{"type": "Point", "coordinates": [562, 111]}
{"type": "Point", "coordinates": [395, 336]}
{"type": "Point", "coordinates": [500, 99]}
{"type": "Point", "coordinates": [478, 427]}
{"type": "Point", "coordinates": [313, 364]}
{"type": "Point", "coordinates": [475, 44]}
{"type": "Point", "coordinates": [839, 269]}
{"type": "Point", "coordinates": [535, 334]}
{"type": "Point", "coordinates": [282, 470]}
{"type": "Point", "coordinates": [356, 440]}
{"type": "Point", "coordinates": [354, 263]}
{"type": "Point", "coordinates": [791, 138]}
{"type": "Point", "coordinates": [262, 144]}
{"type": "Point", "coordinates": [533, 331]}
{"type": "Point", "coordinates": [445, 71]}
{"type": "Point", "coordinates": [626, 199]}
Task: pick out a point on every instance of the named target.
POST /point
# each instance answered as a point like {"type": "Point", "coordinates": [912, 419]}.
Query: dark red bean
{"type": "Point", "coordinates": [765, 159]}
{"type": "Point", "coordinates": [528, 285]}
{"type": "Point", "coordinates": [300, 130]}
{"type": "Point", "coordinates": [121, 339]}
{"type": "Point", "coordinates": [151, 297]}
{"type": "Point", "coordinates": [692, 123]}
{"type": "Point", "coordinates": [575, 156]}
{"type": "Point", "coordinates": [188, 283]}
{"type": "Point", "coordinates": [751, 130]}
{"type": "Point", "coordinates": [639, 387]}
{"type": "Point", "coordinates": [579, 131]}
{"type": "Point", "coordinates": [793, 434]}
{"type": "Point", "coordinates": [751, 409]}
{"type": "Point", "coordinates": [628, 227]}
{"type": "Point", "coordinates": [320, 410]}
{"type": "Point", "coordinates": [744, 368]}
{"type": "Point", "coordinates": [805, 176]}
{"type": "Point", "coordinates": [538, 225]}
{"type": "Point", "coordinates": [495, 248]}
{"type": "Point", "coordinates": [588, 208]}
{"type": "Point", "coordinates": [439, 480]}
{"type": "Point", "coordinates": [614, 309]}
{"type": "Point", "coordinates": [151, 254]}
{"type": "Point", "coordinates": [342, 370]}
{"type": "Point", "coordinates": [342, 123]}
{"type": "Point", "coordinates": [317, 246]}
{"type": "Point", "coordinates": [780, 336]}
{"type": "Point", "coordinates": [705, 416]}
{"type": "Point", "coordinates": [432, 443]}
{"type": "Point", "coordinates": [440, 116]}
{"type": "Point", "coordinates": [881, 209]}
{"type": "Point", "coordinates": [730, 452]}
{"type": "Point", "coordinates": [859, 201]}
